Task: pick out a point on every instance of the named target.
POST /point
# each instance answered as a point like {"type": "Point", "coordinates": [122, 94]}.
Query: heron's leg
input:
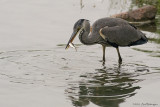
{"type": "Point", "coordinates": [104, 48]}
{"type": "Point", "coordinates": [120, 59]}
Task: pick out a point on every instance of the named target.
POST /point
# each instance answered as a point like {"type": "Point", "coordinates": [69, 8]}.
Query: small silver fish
{"type": "Point", "coordinates": [72, 45]}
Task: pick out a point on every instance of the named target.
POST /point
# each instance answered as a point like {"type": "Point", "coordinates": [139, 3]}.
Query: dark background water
{"type": "Point", "coordinates": [36, 70]}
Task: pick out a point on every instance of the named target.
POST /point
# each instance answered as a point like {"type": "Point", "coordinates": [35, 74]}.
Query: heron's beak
{"type": "Point", "coordinates": [71, 38]}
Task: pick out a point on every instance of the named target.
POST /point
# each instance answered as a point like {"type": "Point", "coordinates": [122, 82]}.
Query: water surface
{"type": "Point", "coordinates": [36, 70]}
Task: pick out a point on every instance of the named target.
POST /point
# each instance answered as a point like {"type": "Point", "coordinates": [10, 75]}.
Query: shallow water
{"type": "Point", "coordinates": [36, 70]}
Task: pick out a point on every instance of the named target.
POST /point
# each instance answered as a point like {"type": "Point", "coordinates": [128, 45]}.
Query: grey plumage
{"type": "Point", "coordinates": [117, 31]}
{"type": "Point", "coordinates": [108, 32]}
{"type": "Point", "coordinates": [124, 35]}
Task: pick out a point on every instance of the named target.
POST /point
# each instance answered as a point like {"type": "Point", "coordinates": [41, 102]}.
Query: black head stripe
{"type": "Point", "coordinates": [79, 23]}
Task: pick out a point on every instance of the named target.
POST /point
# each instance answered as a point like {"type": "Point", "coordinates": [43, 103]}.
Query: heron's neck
{"type": "Point", "coordinates": [86, 37]}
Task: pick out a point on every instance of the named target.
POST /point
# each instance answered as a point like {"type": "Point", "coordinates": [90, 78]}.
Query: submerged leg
{"type": "Point", "coordinates": [120, 59]}
{"type": "Point", "coordinates": [103, 52]}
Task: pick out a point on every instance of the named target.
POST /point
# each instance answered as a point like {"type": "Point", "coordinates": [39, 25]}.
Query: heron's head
{"type": "Point", "coordinates": [78, 26]}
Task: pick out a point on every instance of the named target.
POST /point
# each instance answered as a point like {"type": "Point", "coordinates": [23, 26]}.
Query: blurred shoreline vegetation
{"type": "Point", "coordinates": [156, 3]}
{"type": "Point", "coordinates": [141, 3]}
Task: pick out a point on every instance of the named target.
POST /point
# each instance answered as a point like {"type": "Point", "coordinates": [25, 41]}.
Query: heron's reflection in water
{"type": "Point", "coordinates": [106, 87]}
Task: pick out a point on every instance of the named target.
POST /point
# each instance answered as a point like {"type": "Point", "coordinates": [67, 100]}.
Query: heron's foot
{"type": "Point", "coordinates": [120, 60]}
{"type": "Point", "coordinates": [103, 61]}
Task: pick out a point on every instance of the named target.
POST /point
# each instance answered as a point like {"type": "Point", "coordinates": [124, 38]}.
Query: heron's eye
{"type": "Point", "coordinates": [78, 28]}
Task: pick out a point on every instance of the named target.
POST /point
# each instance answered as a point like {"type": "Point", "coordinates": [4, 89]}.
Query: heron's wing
{"type": "Point", "coordinates": [125, 35]}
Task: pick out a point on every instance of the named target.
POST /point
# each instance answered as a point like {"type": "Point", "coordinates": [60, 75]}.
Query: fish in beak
{"type": "Point", "coordinates": [71, 40]}
{"type": "Point", "coordinates": [72, 46]}
{"type": "Point", "coordinates": [78, 26]}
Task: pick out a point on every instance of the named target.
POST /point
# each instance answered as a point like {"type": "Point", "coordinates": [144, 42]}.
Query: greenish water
{"type": "Point", "coordinates": [154, 27]}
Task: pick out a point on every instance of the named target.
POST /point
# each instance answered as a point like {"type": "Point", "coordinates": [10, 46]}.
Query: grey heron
{"type": "Point", "coordinates": [107, 31]}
